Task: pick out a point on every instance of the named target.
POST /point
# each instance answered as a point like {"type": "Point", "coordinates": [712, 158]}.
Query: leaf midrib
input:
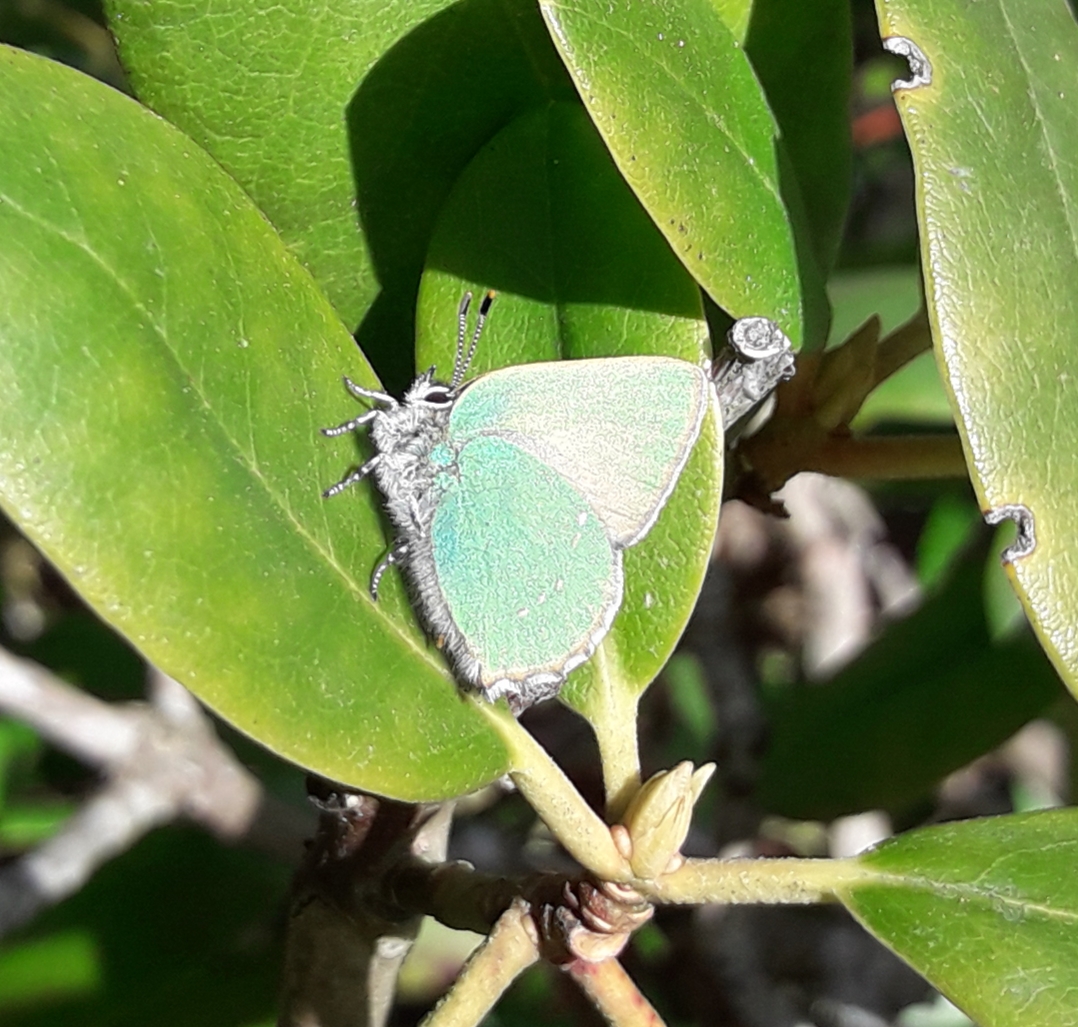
{"type": "Point", "coordinates": [276, 501]}
{"type": "Point", "coordinates": [966, 892]}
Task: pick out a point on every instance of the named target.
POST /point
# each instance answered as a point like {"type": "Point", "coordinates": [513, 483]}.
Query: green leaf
{"type": "Point", "coordinates": [736, 14]}
{"type": "Point", "coordinates": [995, 146]}
{"type": "Point", "coordinates": [803, 54]}
{"type": "Point", "coordinates": [672, 94]}
{"type": "Point", "coordinates": [987, 910]}
{"type": "Point", "coordinates": [25, 824]}
{"type": "Point", "coordinates": [694, 731]}
{"type": "Point", "coordinates": [346, 123]}
{"type": "Point", "coordinates": [18, 744]}
{"type": "Point", "coordinates": [63, 965]}
{"type": "Point", "coordinates": [167, 365]}
{"type": "Point", "coordinates": [543, 216]}
{"type": "Point", "coordinates": [240, 80]}
{"type": "Point", "coordinates": [933, 693]}
{"type": "Point", "coordinates": [950, 522]}
{"type": "Point", "coordinates": [893, 293]}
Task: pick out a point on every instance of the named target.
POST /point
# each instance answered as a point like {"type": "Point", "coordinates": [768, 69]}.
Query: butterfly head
{"type": "Point", "coordinates": [428, 395]}
{"type": "Point", "coordinates": [426, 392]}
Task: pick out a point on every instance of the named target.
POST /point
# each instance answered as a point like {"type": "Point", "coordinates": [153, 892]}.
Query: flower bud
{"type": "Point", "coordinates": [659, 814]}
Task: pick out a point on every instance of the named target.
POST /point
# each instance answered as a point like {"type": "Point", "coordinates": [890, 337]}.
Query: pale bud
{"type": "Point", "coordinates": [659, 815]}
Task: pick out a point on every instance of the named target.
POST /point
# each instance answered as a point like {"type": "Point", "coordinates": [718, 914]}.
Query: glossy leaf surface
{"type": "Point", "coordinates": [995, 143]}
{"type": "Point", "coordinates": [803, 55]}
{"type": "Point", "coordinates": [346, 123]}
{"type": "Point", "coordinates": [240, 80]}
{"type": "Point", "coordinates": [166, 366]}
{"type": "Point", "coordinates": [986, 909]}
{"type": "Point", "coordinates": [676, 102]}
{"type": "Point", "coordinates": [736, 14]}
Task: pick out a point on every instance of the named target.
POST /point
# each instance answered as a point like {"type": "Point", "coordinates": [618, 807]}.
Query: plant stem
{"type": "Point", "coordinates": [612, 713]}
{"type": "Point", "coordinates": [749, 881]}
{"type": "Point", "coordinates": [614, 994]}
{"type": "Point", "coordinates": [902, 345]}
{"type": "Point", "coordinates": [552, 795]}
{"type": "Point", "coordinates": [509, 950]}
{"type": "Point", "coordinates": [889, 457]}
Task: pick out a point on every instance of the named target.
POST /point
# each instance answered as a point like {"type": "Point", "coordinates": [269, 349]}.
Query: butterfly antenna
{"type": "Point", "coordinates": [462, 366]}
{"type": "Point", "coordinates": [462, 333]}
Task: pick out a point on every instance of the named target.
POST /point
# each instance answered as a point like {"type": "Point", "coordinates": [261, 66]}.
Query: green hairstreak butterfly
{"type": "Point", "coordinates": [513, 494]}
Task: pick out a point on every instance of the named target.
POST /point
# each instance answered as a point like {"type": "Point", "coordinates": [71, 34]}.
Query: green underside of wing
{"type": "Point", "coordinates": [618, 428]}
{"type": "Point", "coordinates": [525, 565]}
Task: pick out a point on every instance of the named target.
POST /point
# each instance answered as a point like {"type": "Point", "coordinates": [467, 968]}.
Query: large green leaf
{"type": "Point", "coordinates": [672, 94]}
{"type": "Point", "coordinates": [987, 910]}
{"type": "Point", "coordinates": [242, 80]}
{"type": "Point", "coordinates": [543, 216]}
{"type": "Point", "coordinates": [803, 55]}
{"type": "Point", "coordinates": [165, 366]}
{"type": "Point", "coordinates": [346, 123]}
{"type": "Point", "coordinates": [995, 143]}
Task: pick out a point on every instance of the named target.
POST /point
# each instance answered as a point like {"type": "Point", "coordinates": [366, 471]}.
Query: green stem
{"type": "Point", "coordinates": [552, 795]}
{"type": "Point", "coordinates": [902, 345]}
{"type": "Point", "coordinates": [509, 950]}
{"type": "Point", "coordinates": [612, 713]}
{"type": "Point", "coordinates": [889, 457]}
{"type": "Point", "coordinates": [750, 881]}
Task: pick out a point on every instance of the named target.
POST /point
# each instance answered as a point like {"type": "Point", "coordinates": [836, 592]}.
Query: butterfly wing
{"type": "Point", "coordinates": [620, 429]}
{"type": "Point", "coordinates": [529, 579]}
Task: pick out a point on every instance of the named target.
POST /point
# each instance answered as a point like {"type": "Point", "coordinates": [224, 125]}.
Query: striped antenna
{"type": "Point", "coordinates": [460, 368]}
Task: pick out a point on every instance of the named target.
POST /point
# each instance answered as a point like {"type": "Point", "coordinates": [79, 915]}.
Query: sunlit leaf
{"type": "Point", "coordinates": [986, 909]}
{"type": "Point", "coordinates": [994, 136]}
{"type": "Point", "coordinates": [543, 216]}
{"type": "Point", "coordinates": [674, 97]}
{"type": "Point", "coordinates": [166, 365]}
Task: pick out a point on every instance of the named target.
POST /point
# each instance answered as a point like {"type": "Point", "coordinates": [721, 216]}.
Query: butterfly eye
{"type": "Point", "coordinates": [439, 397]}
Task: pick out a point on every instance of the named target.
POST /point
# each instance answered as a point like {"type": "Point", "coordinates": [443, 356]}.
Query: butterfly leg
{"type": "Point", "coordinates": [343, 429]}
{"type": "Point", "coordinates": [350, 479]}
{"type": "Point", "coordinates": [361, 393]}
{"type": "Point", "coordinates": [391, 559]}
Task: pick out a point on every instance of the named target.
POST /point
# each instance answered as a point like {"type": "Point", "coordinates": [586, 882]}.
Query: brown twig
{"type": "Point", "coordinates": [347, 935]}
{"type": "Point", "coordinates": [810, 427]}
{"type": "Point", "coordinates": [458, 896]}
{"type": "Point", "coordinates": [889, 457]}
{"type": "Point", "coordinates": [774, 457]}
{"type": "Point", "coordinates": [161, 760]}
